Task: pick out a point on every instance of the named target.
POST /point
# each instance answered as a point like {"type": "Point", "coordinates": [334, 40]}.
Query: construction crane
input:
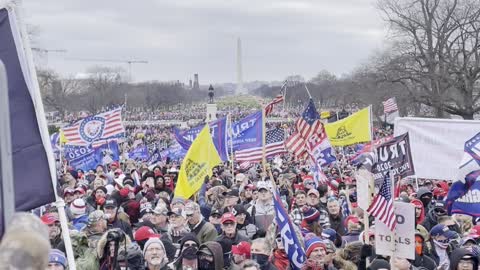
{"type": "Point", "coordinates": [128, 62]}
{"type": "Point", "coordinates": [46, 52]}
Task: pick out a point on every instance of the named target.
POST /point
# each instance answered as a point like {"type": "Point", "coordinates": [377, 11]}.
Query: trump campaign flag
{"type": "Point", "coordinates": [197, 164]}
{"type": "Point", "coordinates": [291, 244]}
{"type": "Point", "coordinates": [34, 173]}
{"type": "Point", "coordinates": [218, 131]}
{"type": "Point", "coordinates": [463, 196]}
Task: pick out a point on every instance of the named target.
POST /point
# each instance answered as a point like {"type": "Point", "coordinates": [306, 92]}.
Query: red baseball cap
{"type": "Point", "coordinates": [351, 218]}
{"type": "Point", "coordinates": [228, 217]}
{"type": "Point", "coordinates": [475, 231]}
{"type": "Point", "coordinates": [243, 248]}
{"type": "Point", "coordinates": [144, 233]}
{"type": "Point", "coordinates": [49, 218]}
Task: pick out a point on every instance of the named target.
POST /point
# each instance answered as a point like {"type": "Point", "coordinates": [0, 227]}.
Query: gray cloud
{"type": "Point", "coordinates": [182, 37]}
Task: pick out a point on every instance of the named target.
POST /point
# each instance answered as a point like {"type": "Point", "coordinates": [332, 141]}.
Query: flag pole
{"type": "Point", "coordinates": [60, 204]}
{"type": "Point", "coordinates": [8, 193]}
{"type": "Point", "coordinates": [308, 92]}
{"type": "Point", "coordinates": [264, 159]}
{"type": "Point", "coordinates": [231, 139]}
{"type": "Point", "coordinates": [284, 96]}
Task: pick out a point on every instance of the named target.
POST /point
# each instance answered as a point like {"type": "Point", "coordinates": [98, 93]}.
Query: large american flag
{"type": "Point", "coordinates": [382, 205]}
{"type": "Point", "coordinates": [274, 141]}
{"type": "Point", "coordinates": [390, 105]}
{"type": "Point", "coordinates": [310, 138]}
{"type": "Point", "coordinates": [97, 129]}
{"type": "Point", "coordinates": [279, 98]}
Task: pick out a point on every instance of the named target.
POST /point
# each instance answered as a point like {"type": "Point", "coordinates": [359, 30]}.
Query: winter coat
{"type": "Point", "coordinates": [204, 231]}
{"type": "Point", "coordinates": [262, 214]}
{"type": "Point", "coordinates": [122, 225]}
{"type": "Point", "coordinates": [457, 255]}
{"type": "Point", "coordinates": [236, 240]}
{"type": "Point", "coordinates": [247, 230]}
{"type": "Point", "coordinates": [430, 220]}
{"type": "Point", "coordinates": [336, 223]}
{"type": "Point", "coordinates": [425, 262]}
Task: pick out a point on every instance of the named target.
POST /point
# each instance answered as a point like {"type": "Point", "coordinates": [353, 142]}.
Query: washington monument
{"type": "Point", "coordinates": [240, 89]}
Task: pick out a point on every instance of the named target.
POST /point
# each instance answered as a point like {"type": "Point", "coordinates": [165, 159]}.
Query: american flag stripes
{"type": "Point", "coordinates": [310, 138]}
{"type": "Point", "coordinates": [274, 140]}
{"type": "Point", "coordinates": [96, 129]}
{"type": "Point", "coordinates": [390, 105]}
{"type": "Point", "coordinates": [382, 205]}
{"type": "Point", "coordinates": [279, 98]}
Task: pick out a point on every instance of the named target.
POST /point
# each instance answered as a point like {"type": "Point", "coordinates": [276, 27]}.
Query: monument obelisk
{"type": "Point", "coordinates": [240, 89]}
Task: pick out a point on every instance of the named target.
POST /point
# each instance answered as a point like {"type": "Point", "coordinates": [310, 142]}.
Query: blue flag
{"type": "Point", "coordinates": [33, 162]}
{"type": "Point", "coordinates": [88, 157]}
{"type": "Point", "coordinates": [139, 153]}
{"type": "Point", "coordinates": [462, 197]}
{"type": "Point", "coordinates": [175, 152]}
{"type": "Point", "coordinates": [218, 130]}
{"type": "Point", "coordinates": [247, 132]}
{"type": "Point", "coordinates": [154, 157]}
{"type": "Point", "coordinates": [294, 250]}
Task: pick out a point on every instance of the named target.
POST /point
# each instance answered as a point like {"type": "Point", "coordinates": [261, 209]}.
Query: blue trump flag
{"type": "Point", "coordinates": [218, 130]}
{"type": "Point", "coordinates": [247, 132]}
{"type": "Point", "coordinates": [88, 157]}
{"type": "Point", "coordinates": [154, 157]}
{"type": "Point", "coordinates": [293, 248]}
{"type": "Point", "coordinates": [175, 152]}
{"type": "Point", "coordinates": [139, 153]}
{"type": "Point", "coordinates": [463, 196]}
{"type": "Point", "coordinates": [33, 163]}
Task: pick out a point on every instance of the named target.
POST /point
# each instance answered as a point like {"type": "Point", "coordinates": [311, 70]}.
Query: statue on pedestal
{"type": "Point", "coordinates": [210, 94]}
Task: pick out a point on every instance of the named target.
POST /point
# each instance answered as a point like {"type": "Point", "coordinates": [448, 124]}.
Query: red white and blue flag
{"type": "Point", "coordinates": [274, 146]}
{"type": "Point", "coordinates": [279, 98]}
{"type": "Point", "coordinates": [96, 129]}
{"type": "Point", "coordinates": [310, 138]}
{"type": "Point", "coordinates": [382, 205]}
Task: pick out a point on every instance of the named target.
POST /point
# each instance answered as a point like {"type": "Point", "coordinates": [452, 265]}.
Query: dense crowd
{"type": "Point", "coordinates": [124, 215]}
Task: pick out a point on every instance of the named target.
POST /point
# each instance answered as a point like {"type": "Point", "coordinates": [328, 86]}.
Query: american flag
{"type": "Point", "coordinates": [310, 138]}
{"type": "Point", "coordinates": [382, 205]}
{"type": "Point", "coordinates": [279, 98]}
{"type": "Point", "coordinates": [274, 140]}
{"type": "Point", "coordinates": [97, 129]}
{"type": "Point", "coordinates": [390, 105]}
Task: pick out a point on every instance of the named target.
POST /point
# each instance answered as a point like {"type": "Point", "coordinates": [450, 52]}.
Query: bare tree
{"type": "Point", "coordinates": [101, 85]}
{"type": "Point", "coordinates": [56, 92]}
{"type": "Point", "coordinates": [435, 55]}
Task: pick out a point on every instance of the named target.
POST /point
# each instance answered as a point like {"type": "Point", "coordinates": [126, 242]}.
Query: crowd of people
{"type": "Point", "coordinates": [125, 215]}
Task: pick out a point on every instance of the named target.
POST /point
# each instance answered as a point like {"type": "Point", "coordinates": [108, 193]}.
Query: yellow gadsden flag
{"type": "Point", "coordinates": [198, 163]}
{"type": "Point", "coordinates": [353, 129]}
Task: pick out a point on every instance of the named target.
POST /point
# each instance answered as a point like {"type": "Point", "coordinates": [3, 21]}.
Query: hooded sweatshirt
{"type": "Point", "coordinates": [457, 255]}
{"type": "Point", "coordinates": [217, 252]}
{"type": "Point", "coordinates": [418, 203]}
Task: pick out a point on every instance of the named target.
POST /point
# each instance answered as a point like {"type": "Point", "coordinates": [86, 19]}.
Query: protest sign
{"type": "Point", "coordinates": [364, 179]}
{"type": "Point", "coordinates": [437, 144]}
{"type": "Point", "coordinates": [401, 242]}
{"type": "Point", "coordinates": [139, 153]}
{"type": "Point", "coordinates": [88, 157]}
{"type": "Point", "coordinates": [394, 157]}
{"type": "Point", "coordinates": [247, 132]}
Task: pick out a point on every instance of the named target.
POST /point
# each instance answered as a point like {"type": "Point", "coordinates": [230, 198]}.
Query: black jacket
{"type": "Point", "coordinates": [457, 254]}
{"type": "Point", "coordinates": [425, 262]}
{"type": "Point", "coordinates": [122, 225]}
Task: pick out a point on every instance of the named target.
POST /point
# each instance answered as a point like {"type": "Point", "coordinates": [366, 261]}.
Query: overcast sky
{"type": "Point", "coordinates": [182, 37]}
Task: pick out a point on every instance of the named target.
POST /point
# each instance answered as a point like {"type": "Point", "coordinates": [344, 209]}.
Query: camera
{"type": "Point", "coordinates": [115, 235]}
